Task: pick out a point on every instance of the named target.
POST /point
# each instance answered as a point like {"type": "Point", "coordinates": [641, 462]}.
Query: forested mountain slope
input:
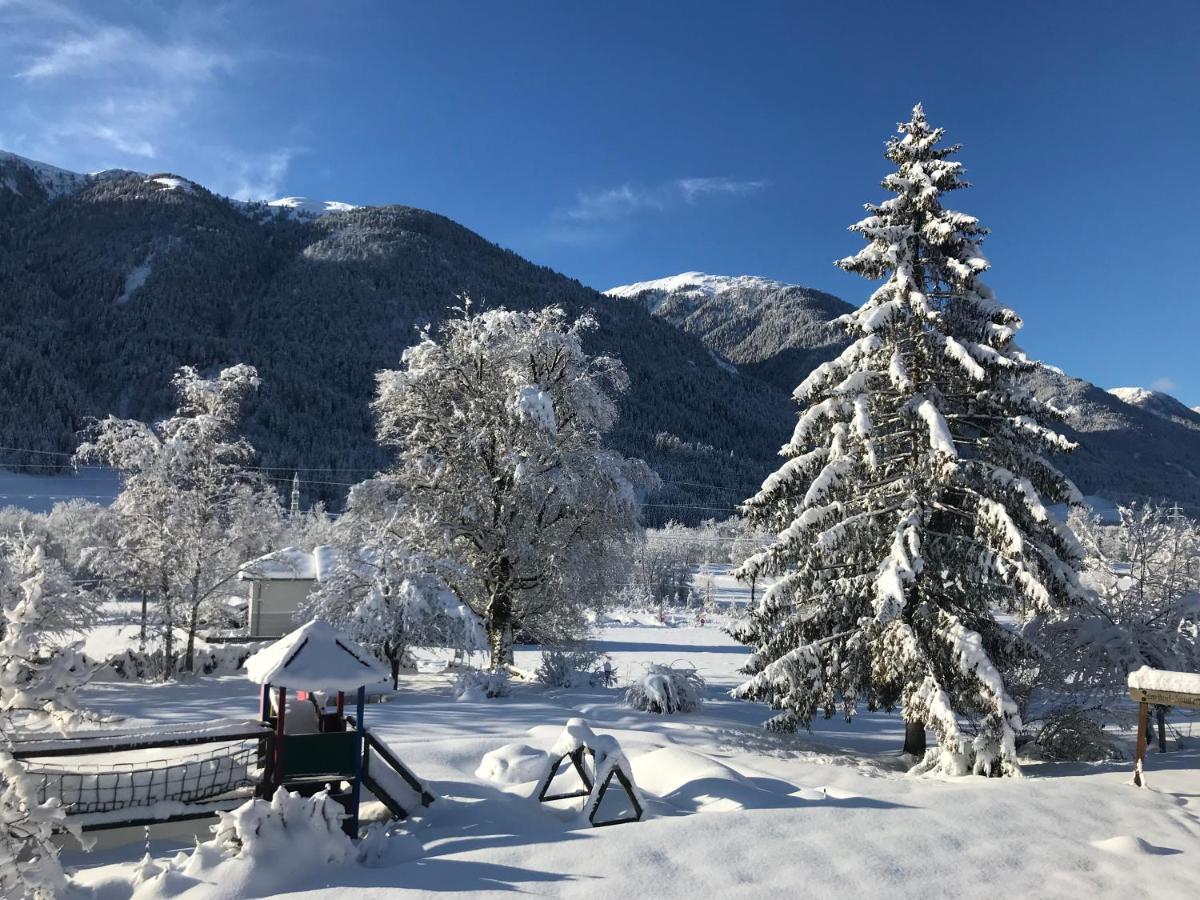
{"type": "Point", "coordinates": [110, 284]}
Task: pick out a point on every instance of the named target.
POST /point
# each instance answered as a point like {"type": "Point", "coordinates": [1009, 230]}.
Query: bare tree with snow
{"type": "Point", "coordinates": [390, 598]}
{"type": "Point", "coordinates": [1144, 572]}
{"type": "Point", "coordinates": [191, 512]}
{"type": "Point", "coordinates": [499, 422]}
{"type": "Point", "coordinates": [909, 510]}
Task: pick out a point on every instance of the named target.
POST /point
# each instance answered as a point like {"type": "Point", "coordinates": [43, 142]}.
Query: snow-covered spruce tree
{"type": "Point", "coordinates": [389, 598]}
{"type": "Point", "coordinates": [499, 422]}
{"type": "Point", "coordinates": [910, 506]}
{"type": "Point", "coordinates": [190, 511]}
{"type": "Point", "coordinates": [40, 671]}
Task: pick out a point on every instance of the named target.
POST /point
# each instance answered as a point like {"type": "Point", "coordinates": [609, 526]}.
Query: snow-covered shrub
{"type": "Point", "coordinates": [146, 665]}
{"type": "Point", "coordinates": [39, 673]}
{"type": "Point", "coordinates": [284, 827]}
{"type": "Point", "coordinates": [1074, 735]}
{"type": "Point", "coordinates": [666, 690]}
{"type": "Point", "coordinates": [477, 684]}
{"type": "Point", "coordinates": [29, 864]}
{"type": "Point", "coordinates": [563, 668]}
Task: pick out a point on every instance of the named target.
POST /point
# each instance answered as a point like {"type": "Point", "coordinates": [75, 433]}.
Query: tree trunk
{"type": "Point", "coordinates": [142, 630]}
{"type": "Point", "coordinates": [168, 630]}
{"type": "Point", "coordinates": [500, 610]}
{"type": "Point", "coordinates": [1160, 714]}
{"type": "Point", "coordinates": [914, 739]}
{"type": "Point", "coordinates": [500, 634]}
{"type": "Point", "coordinates": [393, 656]}
{"type": "Point", "coordinates": [189, 663]}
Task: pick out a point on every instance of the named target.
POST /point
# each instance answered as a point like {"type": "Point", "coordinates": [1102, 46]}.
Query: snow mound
{"type": "Point", "coordinates": [1131, 845]}
{"type": "Point", "coordinates": [694, 783]}
{"type": "Point", "coordinates": [260, 849]}
{"type": "Point", "coordinates": [513, 764]}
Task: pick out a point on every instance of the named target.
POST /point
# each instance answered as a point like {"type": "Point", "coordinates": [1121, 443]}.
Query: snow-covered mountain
{"type": "Point", "coordinates": [18, 174]}
{"type": "Point", "coordinates": [764, 327]}
{"type": "Point", "coordinates": [1159, 403]}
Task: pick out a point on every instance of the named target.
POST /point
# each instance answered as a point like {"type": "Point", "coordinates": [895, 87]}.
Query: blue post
{"type": "Point", "coordinates": [356, 789]}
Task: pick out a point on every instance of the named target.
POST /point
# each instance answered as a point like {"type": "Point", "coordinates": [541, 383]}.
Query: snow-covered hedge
{"type": "Point", "coordinates": [215, 659]}
{"type": "Point", "coordinates": [476, 684]}
{"type": "Point", "coordinates": [665, 690]}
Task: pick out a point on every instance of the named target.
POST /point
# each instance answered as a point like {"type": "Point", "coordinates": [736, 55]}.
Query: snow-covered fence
{"type": "Point", "coordinates": [1161, 688]}
{"type": "Point", "coordinates": [166, 769]}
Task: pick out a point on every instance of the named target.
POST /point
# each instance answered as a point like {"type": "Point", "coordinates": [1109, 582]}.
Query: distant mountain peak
{"type": "Point", "coordinates": [697, 284]}
{"type": "Point", "coordinates": [1158, 403]}
{"type": "Point", "coordinates": [56, 182]}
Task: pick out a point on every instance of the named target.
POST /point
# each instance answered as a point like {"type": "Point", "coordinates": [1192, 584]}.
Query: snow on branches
{"type": "Point", "coordinates": [389, 597]}
{"type": "Point", "coordinates": [39, 671]}
{"type": "Point", "coordinates": [909, 507]}
{"type": "Point", "coordinates": [190, 511]}
{"type": "Point", "coordinates": [499, 420]}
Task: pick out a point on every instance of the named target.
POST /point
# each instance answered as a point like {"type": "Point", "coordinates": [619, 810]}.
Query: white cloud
{"type": "Point", "coordinates": [624, 202]}
{"type": "Point", "coordinates": [86, 92]}
{"type": "Point", "coordinates": [123, 48]}
{"type": "Point", "coordinates": [694, 189]}
{"type": "Point", "coordinates": [257, 177]}
{"type": "Point", "coordinates": [1164, 384]}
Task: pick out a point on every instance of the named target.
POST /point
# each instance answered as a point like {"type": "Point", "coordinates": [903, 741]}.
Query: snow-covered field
{"type": "Point", "coordinates": [731, 809]}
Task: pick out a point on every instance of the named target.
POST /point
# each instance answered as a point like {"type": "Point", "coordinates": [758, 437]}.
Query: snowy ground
{"type": "Point", "coordinates": [732, 810]}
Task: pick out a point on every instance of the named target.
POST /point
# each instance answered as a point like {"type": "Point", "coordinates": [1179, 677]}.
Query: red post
{"type": "Point", "coordinates": [279, 739]}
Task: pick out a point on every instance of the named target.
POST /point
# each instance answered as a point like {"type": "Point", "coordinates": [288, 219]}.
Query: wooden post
{"type": "Point", "coordinates": [341, 701]}
{"type": "Point", "coordinates": [264, 702]}
{"type": "Point", "coordinates": [279, 740]}
{"type": "Point", "coordinates": [356, 788]}
{"type": "Point", "coordinates": [1143, 721]}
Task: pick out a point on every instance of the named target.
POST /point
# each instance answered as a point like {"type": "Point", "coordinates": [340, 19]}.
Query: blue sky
{"type": "Point", "coordinates": [622, 141]}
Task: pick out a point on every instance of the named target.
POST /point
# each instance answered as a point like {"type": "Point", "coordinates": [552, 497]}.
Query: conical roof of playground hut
{"type": "Point", "coordinates": [316, 657]}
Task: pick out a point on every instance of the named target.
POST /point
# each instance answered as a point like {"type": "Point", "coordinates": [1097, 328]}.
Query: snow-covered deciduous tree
{"type": "Point", "coordinates": [499, 424]}
{"type": "Point", "coordinates": [910, 507]}
{"type": "Point", "coordinates": [392, 599]}
{"type": "Point", "coordinates": [190, 511]}
{"type": "Point", "coordinates": [1144, 572]}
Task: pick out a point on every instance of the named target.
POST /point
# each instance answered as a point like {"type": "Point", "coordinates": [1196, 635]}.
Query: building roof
{"type": "Point", "coordinates": [292, 564]}
{"type": "Point", "coordinates": [316, 657]}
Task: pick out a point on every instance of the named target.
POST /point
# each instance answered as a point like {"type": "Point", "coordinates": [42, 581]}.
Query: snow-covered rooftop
{"type": "Point", "coordinates": [292, 564]}
{"type": "Point", "coordinates": [316, 657]}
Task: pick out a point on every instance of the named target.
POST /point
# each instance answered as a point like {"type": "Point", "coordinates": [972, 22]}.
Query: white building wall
{"type": "Point", "coordinates": [273, 605]}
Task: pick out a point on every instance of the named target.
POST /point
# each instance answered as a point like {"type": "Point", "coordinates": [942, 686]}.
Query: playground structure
{"type": "Point", "coordinates": [114, 779]}
{"type": "Point", "coordinates": [1159, 688]}
{"type": "Point", "coordinates": [597, 759]}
